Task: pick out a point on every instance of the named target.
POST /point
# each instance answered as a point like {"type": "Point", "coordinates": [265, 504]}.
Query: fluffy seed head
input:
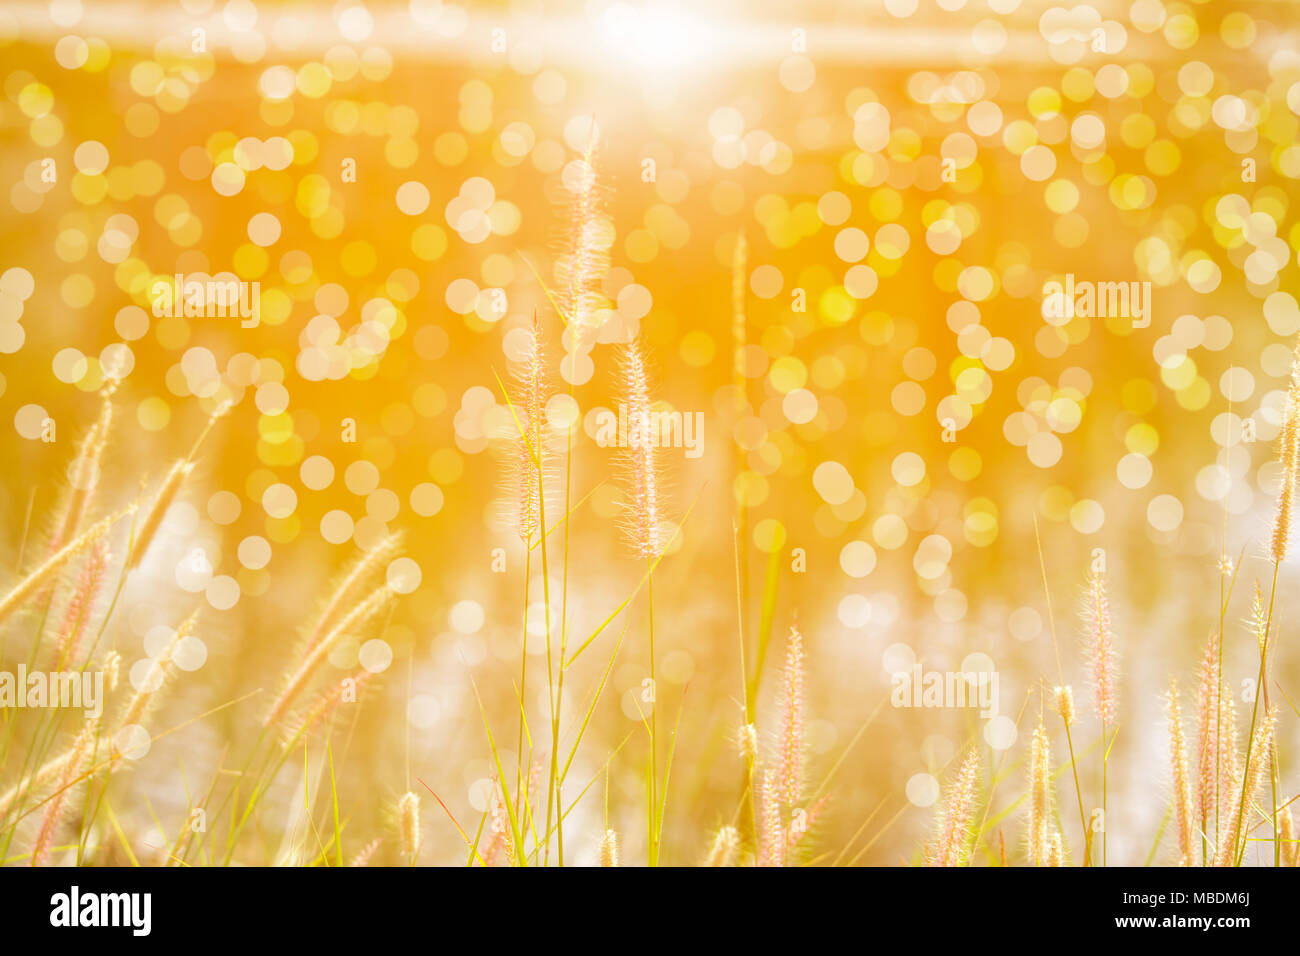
{"type": "Point", "coordinates": [345, 591]}
{"type": "Point", "coordinates": [529, 406]}
{"type": "Point", "coordinates": [1288, 449]}
{"type": "Point", "coordinates": [792, 721]}
{"type": "Point", "coordinates": [723, 851]}
{"type": "Point", "coordinates": [585, 258]}
{"type": "Point", "coordinates": [747, 742]}
{"type": "Point", "coordinates": [1286, 835]}
{"type": "Point", "coordinates": [408, 828]}
{"type": "Point", "coordinates": [151, 689]}
{"type": "Point", "coordinates": [1040, 800]}
{"type": "Point", "coordinates": [84, 475]}
{"type": "Point", "coordinates": [54, 808]}
{"type": "Point", "coordinates": [643, 510]}
{"type": "Point", "coordinates": [498, 826]}
{"type": "Point", "coordinates": [367, 851]}
{"type": "Point", "coordinates": [801, 822]}
{"type": "Point", "coordinates": [609, 849]}
{"type": "Point", "coordinates": [1209, 707]}
{"type": "Point", "coordinates": [1229, 751]}
{"type": "Point", "coordinates": [1258, 618]}
{"type": "Point", "coordinates": [1103, 651]}
{"type": "Point", "coordinates": [1261, 749]}
{"type": "Point", "coordinates": [954, 827]}
{"type": "Point", "coordinates": [1065, 703]}
{"type": "Point", "coordinates": [47, 771]}
{"type": "Point", "coordinates": [1181, 778]}
{"type": "Point", "coordinates": [771, 850]}
{"type": "Point", "coordinates": [144, 535]}
{"type": "Point", "coordinates": [324, 704]}
{"type": "Point", "coordinates": [77, 613]}
{"type": "Point", "coordinates": [46, 573]}
{"type": "Point", "coordinates": [1055, 850]}
{"type": "Point", "coordinates": [112, 665]}
{"type": "Point", "coordinates": [351, 622]}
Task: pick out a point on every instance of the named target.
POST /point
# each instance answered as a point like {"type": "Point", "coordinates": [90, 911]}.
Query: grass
{"type": "Point", "coordinates": [282, 750]}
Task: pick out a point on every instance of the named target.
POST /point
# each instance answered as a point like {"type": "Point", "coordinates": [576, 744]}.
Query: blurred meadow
{"type": "Point", "coordinates": [306, 551]}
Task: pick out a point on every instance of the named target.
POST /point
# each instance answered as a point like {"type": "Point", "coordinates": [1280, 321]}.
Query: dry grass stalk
{"type": "Point", "coordinates": [43, 775]}
{"type": "Point", "coordinates": [498, 830]}
{"type": "Point", "coordinates": [1103, 682]}
{"type": "Point", "coordinates": [801, 821]}
{"type": "Point", "coordinates": [1229, 754]}
{"type": "Point", "coordinates": [47, 572]}
{"type": "Point", "coordinates": [739, 276]}
{"type": "Point", "coordinates": [77, 613]}
{"type": "Point", "coordinates": [644, 508]}
{"type": "Point", "coordinates": [1055, 850]}
{"type": "Point", "coordinates": [497, 849]}
{"type": "Point", "coordinates": [954, 828]}
{"type": "Point", "coordinates": [1183, 807]}
{"type": "Point", "coordinates": [363, 857]}
{"type": "Point", "coordinates": [1208, 711]}
{"type": "Point", "coordinates": [151, 687]}
{"type": "Point", "coordinates": [771, 838]}
{"type": "Point", "coordinates": [324, 704]}
{"type": "Point", "coordinates": [1065, 704]}
{"type": "Point", "coordinates": [148, 529]}
{"type": "Point", "coordinates": [54, 809]}
{"type": "Point", "coordinates": [1040, 799]}
{"type": "Point", "coordinates": [725, 844]}
{"type": "Point", "coordinates": [586, 256]}
{"type": "Point", "coordinates": [609, 849]}
{"type": "Point", "coordinates": [1259, 618]}
{"type": "Point", "coordinates": [354, 619]}
{"type": "Point", "coordinates": [1103, 650]}
{"type": "Point", "coordinates": [792, 721]}
{"type": "Point", "coordinates": [1288, 449]}
{"type": "Point", "coordinates": [345, 591]}
{"type": "Point", "coordinates": [747, 742]}
{"type": "Point", "coordinates": [530, 407]}
{"type": "Point", "coordinates": [1261, 748]}
{"type": "Point", "coordinates": [1286, 835]}
{"type": "Point", "coordinates": [408, 825]}
{"type": "Point", "coordinates": [84, 474]}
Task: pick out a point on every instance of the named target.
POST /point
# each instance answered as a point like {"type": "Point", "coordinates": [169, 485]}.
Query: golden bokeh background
{"type": "Point", "coordinates": [886, 409]}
